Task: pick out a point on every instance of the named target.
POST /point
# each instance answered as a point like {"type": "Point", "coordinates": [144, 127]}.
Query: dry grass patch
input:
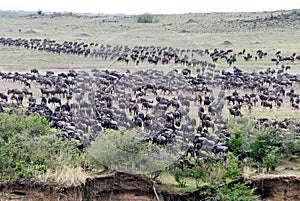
{"type": "Point", "coordinates": [64, 175]}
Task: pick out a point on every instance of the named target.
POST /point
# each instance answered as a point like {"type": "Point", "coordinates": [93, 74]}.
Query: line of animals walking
{"type": "Point", "coordinates": [150, 54]}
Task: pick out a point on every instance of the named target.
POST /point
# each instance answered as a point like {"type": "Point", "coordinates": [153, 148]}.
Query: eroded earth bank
{"type": "Point", "coordinates": [127, 187]}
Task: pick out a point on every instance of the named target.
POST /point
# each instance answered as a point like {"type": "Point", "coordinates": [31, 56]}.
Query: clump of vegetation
{"type": "Point", "coordinates": [218, 179]}
{"type": "Point", "coordinates": [263, 147]}
{"type": "Point", "coordinates": [260, 147]}
{"type": "Point", "coordinates": [125, 150]}
{"type": "Point", "coordinates": [40, 12]}
{"type": "Point", "coordinates": [236, 143]}
{"type": "Point", "coordinates": [239, 192]}
{"type": "Point", "coordinates": [291, 143]}
{"type": "Point", "coordinates": [264, 150]}
{"type": "Point", "coordinates": [271, 160]}
{"type": "Point", "coordinates": [233, 169]}
{"type": "Point", "coordinates": [145, 18]}
{"type": "Point", "coordinates": [181, 176]}
{"type": "Point", "coordinates": [296, 12]}
{"type": "Point", "coordinates": [29, 147]}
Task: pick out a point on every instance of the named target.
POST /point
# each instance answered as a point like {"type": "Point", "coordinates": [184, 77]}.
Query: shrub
{"type": "Point", "coordinates": [69, 14]}
{"type": "Point", "coordinates": [236, 143]}
{"type": "Point", "coordinates": [271, 161]}
{"type": "Point", "coordinates": [266, 148]}
{"type": "Point", "coordinates": [199, 174]}
{"type": "Point", "coordinates": [29, 147]}
{"type": "Point", "coordinates": [232, 170]}
{"type": "Point", "coordinates": [296, 12]}
{"type": "Point", "coordinates": [145, 18]}
{"type": "Point", "coordinates": [260, 147]}
{"type": "Point", "coordinates": [290, 143]}
{"type": "Point", "coordinates": [124, 150]}
{"type": "Point", "coordinates": [40, 12]}
{"type": "Point", "coordinates": [181, 175]}
{"type": "Point", "coordinates": [239, 192]}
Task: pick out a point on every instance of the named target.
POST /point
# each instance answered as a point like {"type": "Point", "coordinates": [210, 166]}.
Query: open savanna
{"type": "Point", "coordinates": [268, 31]}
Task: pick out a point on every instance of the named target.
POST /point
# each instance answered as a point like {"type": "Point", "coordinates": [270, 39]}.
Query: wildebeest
{"type": "Point", "coordinates": [235, 112]}
{"type": "Point", "coordinates": [54, 100]}
{"type": "Point", "coordinates": [102, 98]}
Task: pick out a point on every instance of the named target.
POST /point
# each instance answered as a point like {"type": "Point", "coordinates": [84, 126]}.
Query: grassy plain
{"type": "Point", "coordinates": [269, 31]}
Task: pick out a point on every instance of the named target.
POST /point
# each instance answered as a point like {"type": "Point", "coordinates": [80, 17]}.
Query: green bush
{"type": "Point", "coordinates": [290, 143]}
{"type": "Point", "coordinates": [199, 174]}
{"type": "Point", "coordinates": [260, 147]}
{"type": "Point", "coordinates": [125, 150]}
{"type": "Point", "coordinates": [271, 161]}
{"type": "Point", "coordinates": [236, 143]}
{"type": "Point", "coordinates": [145, 18]}
{"type": "Point", "coordinates": [181, 176]}
{"type": "Point", "coordinates": [266, 148]}
{"type": "Point", "coordinates": [232, 170]}
{"type": "Point", "coordinates": [239, 192]}
{"type": "Point", "coordinates": [28, 147]}
{"type": "Point", "coordinates": [296, 12]}
{"type": "Point", "coordinates": [40, 12]}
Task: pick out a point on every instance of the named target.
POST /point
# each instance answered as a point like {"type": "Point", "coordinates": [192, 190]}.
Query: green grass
{"type": "Point", "coordinates": [168, 181]}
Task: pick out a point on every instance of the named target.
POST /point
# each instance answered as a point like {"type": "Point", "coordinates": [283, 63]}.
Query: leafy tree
{"type": "Point", "coordinates": [290, 143]}
{"type": "Point", "coordinates": [40, 12]}
{"type": "Point", "coordinates": [260, 147]}
{"type": "Point", "coordinates": [264, 150]}
{"type": "Point", "coordinates": [296, 12]}
{"type": "Point", "coordinates": [69, 14]}
{"type": "Point", "coordinates": [199, 174]}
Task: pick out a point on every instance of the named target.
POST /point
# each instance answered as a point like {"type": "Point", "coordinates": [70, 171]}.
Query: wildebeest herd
{"type": "Point", "coordinates": [151, 54]}
{"type": "Point", "coordinates": [182, 105]}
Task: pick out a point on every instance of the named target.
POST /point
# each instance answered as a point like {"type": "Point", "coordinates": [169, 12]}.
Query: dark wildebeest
{"type": "Point", "coordinates": [54, 100]}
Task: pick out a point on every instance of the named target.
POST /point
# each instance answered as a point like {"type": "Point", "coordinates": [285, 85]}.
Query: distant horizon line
{"type": "Point", "coordinates": [92, 13]}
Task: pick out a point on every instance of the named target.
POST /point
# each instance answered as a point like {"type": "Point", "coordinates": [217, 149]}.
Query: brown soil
{"type": "Point", "coordinates": [127, 187]}
{"type": "Point", "coordinates": [277, 188]}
